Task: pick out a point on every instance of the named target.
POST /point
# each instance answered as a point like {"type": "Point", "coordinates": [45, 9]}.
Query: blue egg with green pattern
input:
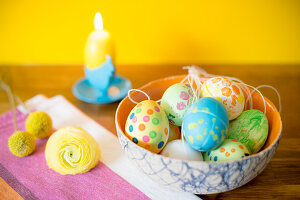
{"type": "Point", "coordinates": [205, 125]}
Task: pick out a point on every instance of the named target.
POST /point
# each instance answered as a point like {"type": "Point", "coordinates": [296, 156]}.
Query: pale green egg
{"type": "Point", "coordinates": [176, 100]}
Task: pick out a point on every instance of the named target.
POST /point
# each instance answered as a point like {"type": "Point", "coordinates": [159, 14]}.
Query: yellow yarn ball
{"type": "Point", "coordinates": [21, 143]}
{"type": "Point", "coordinates": [72, 150]}
{"type": "Point", "coordinates": [39, 124]}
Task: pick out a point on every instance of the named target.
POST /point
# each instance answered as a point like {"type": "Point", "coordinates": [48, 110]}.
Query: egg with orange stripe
{"type": "Point", "coordinates": [147, 125]}
{"type": "Point", "coordinates": [227, 92]}
{"type": "Point", "coordinates": [229, 150]}
{"type": "Point", "coordinates": [174, 133]}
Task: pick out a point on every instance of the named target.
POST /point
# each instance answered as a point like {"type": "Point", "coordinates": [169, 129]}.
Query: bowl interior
{"type": "Point", "coordinates": [156, 89]}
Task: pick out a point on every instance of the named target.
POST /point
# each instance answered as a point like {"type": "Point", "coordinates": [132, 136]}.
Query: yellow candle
{"type": "Point", "coordinates": [98, 45]}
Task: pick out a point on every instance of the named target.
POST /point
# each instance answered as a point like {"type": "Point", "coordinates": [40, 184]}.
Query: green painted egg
{"type": "Point", "coordinates": [229, 150]}
{"type": "Point", "coordinates": [176, 100]}
{"type": "Point", "coordinates": [251, 129]}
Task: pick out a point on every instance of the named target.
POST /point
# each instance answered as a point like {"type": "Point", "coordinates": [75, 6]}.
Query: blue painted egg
{"type": "Point", "coordinates": [205, 125]}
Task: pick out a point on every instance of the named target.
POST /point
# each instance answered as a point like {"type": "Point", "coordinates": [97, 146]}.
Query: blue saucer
{"type": "Point", "coordinates": [83, 91]}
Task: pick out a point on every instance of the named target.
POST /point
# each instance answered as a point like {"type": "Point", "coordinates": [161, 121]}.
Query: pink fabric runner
{"type": "Point", "coordinates": [32, 179]}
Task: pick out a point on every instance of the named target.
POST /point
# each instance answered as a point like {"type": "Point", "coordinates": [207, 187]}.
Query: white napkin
{"type": "Point", "coordinates": [63, 113]}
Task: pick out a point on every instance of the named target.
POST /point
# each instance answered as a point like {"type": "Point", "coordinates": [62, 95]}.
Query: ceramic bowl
{"type": "Point", "coordinates": [196, 177]}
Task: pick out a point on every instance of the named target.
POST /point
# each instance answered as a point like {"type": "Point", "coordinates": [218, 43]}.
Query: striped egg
{"type": "Point", "coordinates": [227, 92]}
{"type": "Point", "coordinates": [205, 125]}
{"type": "Point", "coordinates": [147, 126]}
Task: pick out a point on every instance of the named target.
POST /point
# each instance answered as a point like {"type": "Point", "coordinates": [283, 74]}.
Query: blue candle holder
{"type": "Point", "coordinates": [94, 88]}
{"type": "Point", "coordinates": [101, 77]}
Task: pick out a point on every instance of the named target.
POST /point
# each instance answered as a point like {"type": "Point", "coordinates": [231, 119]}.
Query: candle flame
{"type": "Point", "coordinates": [98, 23]}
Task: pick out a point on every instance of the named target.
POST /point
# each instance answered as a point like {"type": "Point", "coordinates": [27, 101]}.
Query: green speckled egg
{"type": "Point", "coordinates": [229, 150]}
{"type": "Point", "coordinates": [251, 129]}
{"type": "Point", "coordinates": [176, 100]}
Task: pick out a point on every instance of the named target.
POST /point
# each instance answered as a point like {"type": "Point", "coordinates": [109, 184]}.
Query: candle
{"type": "Point", "coordinates": [100, 84]}
{"type": "Point", "coordinates": [98, 45]}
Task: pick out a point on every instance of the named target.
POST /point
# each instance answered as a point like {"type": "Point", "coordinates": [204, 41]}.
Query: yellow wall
{"type": "Point", "coordinates": [153, 31]}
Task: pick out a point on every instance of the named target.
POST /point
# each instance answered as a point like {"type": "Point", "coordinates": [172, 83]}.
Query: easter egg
{"type": "Point", "coordinates": [227, 92]}
{"type": "Point", "coordinates": [179, 149]}
{"type": "Point", "coordinates": [174, 133]}
{"type": "Point", "coordinates": [205, 125]}
{"type": "Point", "coordinates": [147, 126]}
{"type": "Point", "coordinates": [229, 150]}
{"type": "Point", "coordinates": [251, 129]}
{"type": "Point", "coordinates": [176, 100]}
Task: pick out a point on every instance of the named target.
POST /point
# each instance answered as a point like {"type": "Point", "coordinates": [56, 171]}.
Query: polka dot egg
{"type": "Point", "coordinates": [176, 100]}
{"type": "Point", "coordinates": [147, 126]}
{"type": "Point", "coordinates": [229, 150]}
{"type": "Point", "coordinates": [205, 125]}
{"type": "Point", "coordinates": [227, 92]}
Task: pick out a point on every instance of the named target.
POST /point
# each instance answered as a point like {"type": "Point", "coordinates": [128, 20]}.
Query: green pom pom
{"type": "Point", "coordinates": [21, 143]}
{"type": "Point", "coordinates": [39, 124]}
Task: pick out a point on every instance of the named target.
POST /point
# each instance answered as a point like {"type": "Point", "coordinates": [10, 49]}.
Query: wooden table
{"type": "Point", "coordinates": [280, 179]}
